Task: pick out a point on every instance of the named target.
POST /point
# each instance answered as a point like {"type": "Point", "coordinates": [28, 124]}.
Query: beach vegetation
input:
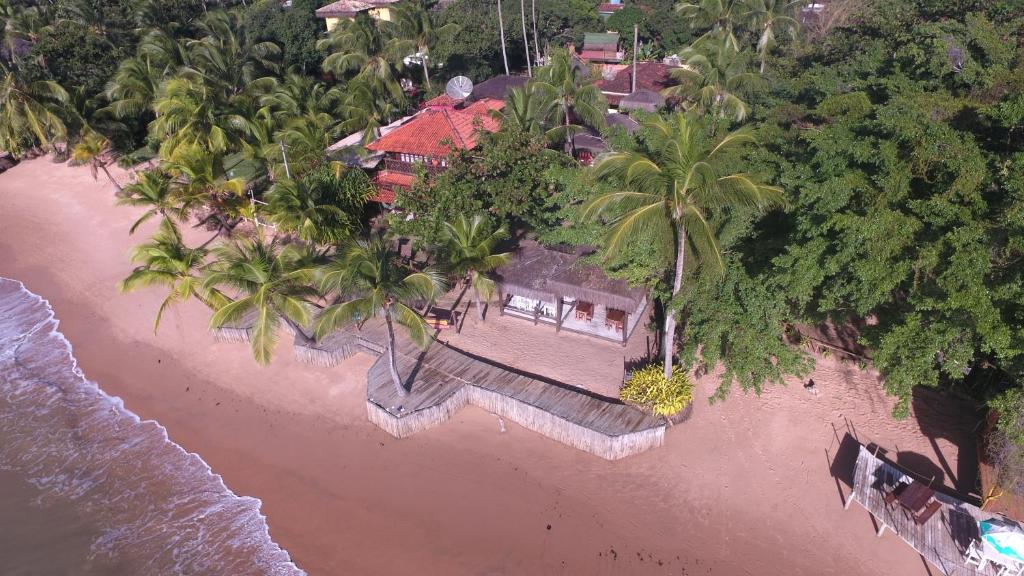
{"type": "Point", "coordinates": [267, 282]}
{"type": "Point", "coordinates": [166, 261]}
{"type": "Point", "coordinates": [368, 280]}
{"type": "Point", "coordinates": [648, 387]}
{"type": "Point", "coordinates": [671, 192]}
{"type": "Point", "coordinates": [470, 253]}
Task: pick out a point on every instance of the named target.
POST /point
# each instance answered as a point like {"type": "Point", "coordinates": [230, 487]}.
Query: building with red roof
{"type": "Point", "coordinates": [650, 76]}
{"type": "Point", "coordinates": [427, 139]}
{"type": "Point", "coordinates": [606, 9]}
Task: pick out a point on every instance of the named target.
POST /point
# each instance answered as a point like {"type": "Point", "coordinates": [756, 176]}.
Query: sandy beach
{"type": "Point", "coordinates": [744, 487]}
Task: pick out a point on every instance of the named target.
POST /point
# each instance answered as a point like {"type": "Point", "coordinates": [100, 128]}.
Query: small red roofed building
{"type": "Point", "coordinates": [617, 81]}
{"type": "Point", "coordinates": [427, 139]}
{"type": "Point", "coordinates": [601, 47]}
{"type": "Point", "coordinates": [606, 9]}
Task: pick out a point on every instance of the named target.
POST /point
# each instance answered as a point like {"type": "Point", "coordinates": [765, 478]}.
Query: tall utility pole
{"type": "Point", "coordinates": [636, 31]}
{"type": "Point", "coordinates": [536, 43]}
{"type": "Point", "coordinates": [526, 39]}
{"type": "Point", "coordinates": [501, 27]}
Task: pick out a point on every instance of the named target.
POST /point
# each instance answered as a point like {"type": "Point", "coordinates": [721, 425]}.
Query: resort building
{"type": "Point", "coordinates": [336, 11]}
{"type": "Point", "coordinates": [549, 286]}
{"type": "Point", "coordinates": [600, 48]}
{"type": "Point", "coordinates": [425, 141]}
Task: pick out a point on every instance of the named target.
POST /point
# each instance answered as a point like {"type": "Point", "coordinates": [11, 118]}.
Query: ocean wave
{"type": "Point", "coordinates": [159, 508]}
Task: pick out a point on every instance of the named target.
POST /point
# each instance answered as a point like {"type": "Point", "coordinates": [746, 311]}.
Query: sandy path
{"type": "Point", "coordinates": [742, 488]}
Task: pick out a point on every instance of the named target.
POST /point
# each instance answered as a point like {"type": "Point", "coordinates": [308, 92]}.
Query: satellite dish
{"type": "Point", "coordinates": [459, 88]}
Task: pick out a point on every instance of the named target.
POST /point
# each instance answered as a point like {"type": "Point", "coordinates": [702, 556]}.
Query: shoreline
{"type": "Point", "coordinates": [342, 496]}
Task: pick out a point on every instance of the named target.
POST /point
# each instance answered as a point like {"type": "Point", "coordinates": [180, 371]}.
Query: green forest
{"type": "Point", "coordinates": [861, 170]}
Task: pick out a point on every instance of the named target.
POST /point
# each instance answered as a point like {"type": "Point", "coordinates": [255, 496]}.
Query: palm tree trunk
{"type": "Point", "coordinates": [111, 178]}
{"type": "Point", "coordinates": [426, 73]}
{"type": "Point", "coordinates": [501, 27]}
{"type": "Point", "coordinates": [526, 39]}
{"type": "Point", "coordinates": [392, 360]}
{"type": "Point", "coordinates": [670, 316]}
{"type": "Point", "coordinates": [479, 305]}
{"type": "Point", "coordinates": [533, 16]}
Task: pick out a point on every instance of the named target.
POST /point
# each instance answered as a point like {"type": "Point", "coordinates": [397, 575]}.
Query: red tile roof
{"type": "Point", "coordinates": [387, 181]}
{"type": "Point", "coordinates": [608, 8]}
{"type": "Point", "coordinates": [436, 131]}
{"type": "Point", "coordinates": [653, 76]}
{"type": "Point", "coordinates": [601, 55]}
{"type": "Point", "coordinates": [442, 101]}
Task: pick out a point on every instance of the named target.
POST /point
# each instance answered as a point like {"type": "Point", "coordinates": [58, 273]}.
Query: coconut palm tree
{"type": "Point", "coordinates": [28, 113]}
{"type": "Point", "coordinates": [568, 97]}
{"type": "Point", "coordinates": [669, 192]}
{"type": "Point", "coordinates": [306, 138]}
{"type": "Point", "coordinates": [272, 282]}
{"type": "Point", "coordinates": [297, 95]}
{"type": "Point", "coordinates": [298, 208]}
{"type": "Point", "coordinates": [525, 108]}
{"type": "Point", "coordinates": [198, 179]}
{"type": "Point", "coordinates": [134, 87]}
{"type": "Point", "coordinates": [360, 46]}
{"type": "Point", "coordinates": [721, 16]}
{"type": "Point", "coordinates": [153, 191]}
{"type": "Point", "coordinates": [364, 109]}
{"type": "Point", "coordinates": [95, 150]}
{"type": "Point", "coordinates": [227, 55]}
{"type": "Point", "coordinates": [715, 79]}
{"type": "Point", "coordinates": [416, 33]}
{"type": "Point", "coordinates": [382, 286]}
{"type": "Point", "coordinates": [469, 248]}
{"type": "Point", "coordinates": [188, 112]}
{"type": "Point", "coordinates": [772, 17]}
{"type": "Point", "coordinates": [501, 28]}
{"type": "Point", "coordinates": [166, 261]}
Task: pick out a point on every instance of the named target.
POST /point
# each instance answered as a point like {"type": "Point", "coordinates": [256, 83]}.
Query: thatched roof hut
{"type": "Point", "coordinates": [642, 99]}
{"type": "Point", "coordinates": [237, 331]}
{"type": "Point", "coordinates": [548, 275]}
{"type": "Point", "coordinates": [528, 273]}
{"type": "Point", "coordinates": [589, 283]}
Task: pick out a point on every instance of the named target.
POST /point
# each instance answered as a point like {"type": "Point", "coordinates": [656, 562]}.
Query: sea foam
{"type": "Point", "coordinates": [159, 509]}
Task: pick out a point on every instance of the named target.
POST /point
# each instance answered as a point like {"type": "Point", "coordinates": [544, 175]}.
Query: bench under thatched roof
{"type": "Point", "coordinates": [589, 283]}
{"type": "Point", "coordinates": [544, 274]}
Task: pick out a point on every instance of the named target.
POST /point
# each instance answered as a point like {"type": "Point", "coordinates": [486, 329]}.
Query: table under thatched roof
{"type": "Point", "coordinates": [545, 274]}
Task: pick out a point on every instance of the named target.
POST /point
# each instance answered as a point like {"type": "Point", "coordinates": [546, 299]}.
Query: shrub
{"type": "Point", "coordinates": [649, 388]}
{"type": "Point", "coordinates": [1006, 444]}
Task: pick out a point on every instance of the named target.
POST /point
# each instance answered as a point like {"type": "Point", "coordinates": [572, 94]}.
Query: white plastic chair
{"type": "Point", "coordinates": [972, 556]}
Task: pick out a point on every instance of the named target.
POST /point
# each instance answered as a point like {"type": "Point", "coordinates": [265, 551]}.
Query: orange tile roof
{"type": "Point", "coordinates": [435, 132]}
{"type": "Point", "coordinates": [386, 182]}
{"type": "Point", "coordinates": [443, 100]}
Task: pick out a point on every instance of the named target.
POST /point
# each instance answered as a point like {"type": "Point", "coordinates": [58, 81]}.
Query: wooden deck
{"type": "Point", "coordinates": [942, 540]}
{"type": "Point", "coordinates": [442, 380]}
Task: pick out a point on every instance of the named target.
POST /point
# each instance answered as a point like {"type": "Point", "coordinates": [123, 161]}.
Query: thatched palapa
{"type": "Point", "coordinates": [587, 282]}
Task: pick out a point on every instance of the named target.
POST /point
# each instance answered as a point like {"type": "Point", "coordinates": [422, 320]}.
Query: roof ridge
{"type": "Point", "coordinates": [455, 129]}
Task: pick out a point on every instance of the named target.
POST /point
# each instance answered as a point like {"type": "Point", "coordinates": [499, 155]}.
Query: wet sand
{"type": "Point", "coordinates": [742, 488]}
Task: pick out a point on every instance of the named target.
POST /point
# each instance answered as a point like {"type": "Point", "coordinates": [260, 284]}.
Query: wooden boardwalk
{"type": "Point", "coordinates": [442, 380]}
{"type": "Point", "coordinates": [942, 540]}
